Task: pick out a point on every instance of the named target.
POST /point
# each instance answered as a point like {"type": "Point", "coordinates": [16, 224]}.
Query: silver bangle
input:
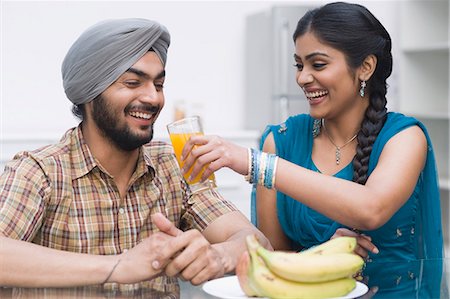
{"type": "Point", "coordinates": [250, 167]}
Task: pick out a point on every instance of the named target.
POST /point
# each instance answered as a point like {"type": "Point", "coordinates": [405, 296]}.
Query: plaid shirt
{"type": "Point", "coordinates": [59, 196]}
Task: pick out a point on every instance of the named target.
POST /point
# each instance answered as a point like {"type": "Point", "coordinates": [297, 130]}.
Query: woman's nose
{"type": "Point", "coordinates": [304, 77]}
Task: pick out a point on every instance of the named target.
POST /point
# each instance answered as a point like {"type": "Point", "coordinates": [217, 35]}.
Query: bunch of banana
{"type": "Point", "coordinates": [321, 272]}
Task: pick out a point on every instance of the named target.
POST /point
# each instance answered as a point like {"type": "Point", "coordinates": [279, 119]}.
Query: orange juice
{"type": "Point", "coordinates": [178, 142]}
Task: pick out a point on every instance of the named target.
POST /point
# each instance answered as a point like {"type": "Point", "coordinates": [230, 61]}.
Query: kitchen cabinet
{"type": "Point", "coordinates": [424, 81]}
{"type": "Point", "coordinates": [271, 91]}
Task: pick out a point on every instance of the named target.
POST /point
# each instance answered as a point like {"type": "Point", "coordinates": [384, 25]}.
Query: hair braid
{"type": "Point", "coordinates": [371, 126]}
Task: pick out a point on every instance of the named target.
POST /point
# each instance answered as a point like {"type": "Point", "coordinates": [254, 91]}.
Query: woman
{"type": "Point", "coordinates": [348, 166]}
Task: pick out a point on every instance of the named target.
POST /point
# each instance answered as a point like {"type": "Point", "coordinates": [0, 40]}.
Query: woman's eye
{"type": "Point", "coordinates": [299, 66]}
{"type": "Point", "coordinates": [319, 65]}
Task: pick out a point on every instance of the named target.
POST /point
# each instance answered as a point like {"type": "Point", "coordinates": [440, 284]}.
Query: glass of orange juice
{"type": "Point", "coordinates": [180, 131]}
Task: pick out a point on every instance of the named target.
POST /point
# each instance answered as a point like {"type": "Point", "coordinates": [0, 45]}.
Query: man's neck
{"type": "Point", "coordinates": [118, 163]}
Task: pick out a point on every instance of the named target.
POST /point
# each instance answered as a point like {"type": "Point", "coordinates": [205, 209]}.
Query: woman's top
{"type": "Point", "coordinates": [413, 232]}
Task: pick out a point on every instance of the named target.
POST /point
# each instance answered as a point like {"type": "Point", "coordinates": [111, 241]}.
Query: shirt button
{"type": "Point", "coordinates": [121, 211]}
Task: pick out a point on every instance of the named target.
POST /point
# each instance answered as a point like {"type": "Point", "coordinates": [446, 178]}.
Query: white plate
{"type": "Point", "coordinates": [228, 287]}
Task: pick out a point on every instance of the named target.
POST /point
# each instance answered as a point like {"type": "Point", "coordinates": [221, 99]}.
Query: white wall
{"type": "Point", "coordinates": [204, 67]}
{"type": "Point", "coordinates": [205, 64]}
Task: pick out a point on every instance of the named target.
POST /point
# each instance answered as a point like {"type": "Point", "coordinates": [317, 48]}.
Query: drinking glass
{"type": "Point", "coordinates": [180, 131]}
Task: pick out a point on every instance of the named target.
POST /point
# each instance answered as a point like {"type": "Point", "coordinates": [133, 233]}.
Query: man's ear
{"type": "Point", "coordinates": [367, 68]}
{"type": "Point", "coordinates": [88, 108]}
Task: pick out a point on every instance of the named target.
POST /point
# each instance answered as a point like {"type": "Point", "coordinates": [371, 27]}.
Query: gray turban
{"type": "Point", "coordinates": [107, 50]}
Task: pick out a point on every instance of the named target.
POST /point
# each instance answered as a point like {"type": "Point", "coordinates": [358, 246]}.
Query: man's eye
{"type": "Point", "coordinates": [299, 66]}
{"type": "Point", "coordinates": [159, 86]}
{"type": "Point", "coordinates": [132, 83]}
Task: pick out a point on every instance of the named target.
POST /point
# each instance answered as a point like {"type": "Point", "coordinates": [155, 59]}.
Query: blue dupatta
{"type": "Point", "coordinates": [306, 227]}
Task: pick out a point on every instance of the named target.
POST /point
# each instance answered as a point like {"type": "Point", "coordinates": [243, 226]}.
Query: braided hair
{"type": "Point", "coordinates": [354, 30]}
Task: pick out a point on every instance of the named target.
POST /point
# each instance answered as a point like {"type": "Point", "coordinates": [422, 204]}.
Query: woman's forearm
{"type": "Point", "coordinates": [346, 202]}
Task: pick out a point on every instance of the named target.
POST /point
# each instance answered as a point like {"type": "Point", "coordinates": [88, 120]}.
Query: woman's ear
{"type": "Point", "coordinates": [367, 68]}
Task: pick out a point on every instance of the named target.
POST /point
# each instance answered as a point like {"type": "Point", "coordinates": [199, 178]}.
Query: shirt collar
{"type": "Point", "coordinates": [147, 160]}
{"type": "Point", "coordinates": [83, 161]}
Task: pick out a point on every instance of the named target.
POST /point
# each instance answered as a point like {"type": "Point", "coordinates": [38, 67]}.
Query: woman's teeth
{"type": "Point", "coordinates": [316, 94]}
{"type": "Point", "coordinates": [141, 115]}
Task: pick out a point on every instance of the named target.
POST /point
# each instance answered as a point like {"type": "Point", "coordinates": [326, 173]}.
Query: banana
{"type": "Point", "coordinates": [267, 284]}
{"type": "Point", "coordinates": [308, 267]}
{"type": "Point", "coordinates": [243, 275]}
{"type": "Point", "coordinates": [336, 245]}
{"type": "Point", "coordinates": [311, 268]}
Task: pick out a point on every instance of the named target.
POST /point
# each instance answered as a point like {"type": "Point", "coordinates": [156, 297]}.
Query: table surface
{"type": "Point", "coordinates": [399, 280]}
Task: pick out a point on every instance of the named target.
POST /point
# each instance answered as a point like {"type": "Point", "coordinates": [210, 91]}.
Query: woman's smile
{"type": "Point", "coordinates": [315, 97]}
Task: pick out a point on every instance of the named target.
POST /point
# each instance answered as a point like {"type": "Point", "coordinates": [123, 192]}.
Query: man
{"type": "Point", "coordinates": [104, 204]}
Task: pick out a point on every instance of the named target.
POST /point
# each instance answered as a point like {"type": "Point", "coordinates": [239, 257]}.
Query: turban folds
{"type": "Point", "coordinates": [105, 51]}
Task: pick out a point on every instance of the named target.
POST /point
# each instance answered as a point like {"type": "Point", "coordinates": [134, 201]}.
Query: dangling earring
{"type": "Point", "coordinates": [361, 90]}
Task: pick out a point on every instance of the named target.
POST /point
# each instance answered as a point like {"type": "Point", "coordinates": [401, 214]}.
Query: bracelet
{"type": "Point", "coordinates": [110, 273]}
{"type": "Point", "coordinates": [275, 164]}
{"type": "Point", "coordinates": [248, 177]}
{"type": "Point", "coordinates": [262, 168]}
{"type": "Point", "coordinates": [256, 155]}
{"type": "Point", "coordinates": [268, 173]}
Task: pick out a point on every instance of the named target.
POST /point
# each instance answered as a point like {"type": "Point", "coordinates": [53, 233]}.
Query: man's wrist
{"type": "Point", "coordinates": [228, 261]}
{"type": "Point", "coordinates": [111, 272]}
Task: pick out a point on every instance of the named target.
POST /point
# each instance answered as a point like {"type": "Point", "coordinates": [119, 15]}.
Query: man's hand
{"type": "Point", "coordinates": [165, 225]}
{"type": "Point", "coordinates": [364, 242]}
{"type": "Point", "coordinates": [172, 251]}
{"type": "Point", "coordinates": [143, 262]}
{"type": "Point", "coordinates": [198, 260]}
{"type": "Point", "coordinates": [188, 254]}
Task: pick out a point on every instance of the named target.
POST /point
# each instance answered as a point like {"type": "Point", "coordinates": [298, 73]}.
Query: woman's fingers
{"type": "Point", "coordinates": [193, 141]}
{"type": "Point", "coordinates": [365, 242]}
{"type": "Point", "coordinates": [205, 151]}
{"type": "Point", "coordinates": [213, 153]}
{"type": "Point", "coordinates": [210, 162]}
{"type": "Point", "coordinates": [196, 146]}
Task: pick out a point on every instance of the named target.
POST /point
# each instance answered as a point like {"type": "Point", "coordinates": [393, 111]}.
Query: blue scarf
{"type": "Point", "coordinates": [307, 227]}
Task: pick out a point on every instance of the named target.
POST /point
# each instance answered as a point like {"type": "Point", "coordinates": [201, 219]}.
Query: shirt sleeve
{"type": "Point", "coordinates": [197, 210]}
{"type": "Point", "coordinates": [23, 189]}
{"type": "Point", "coordinates": [203, 208]}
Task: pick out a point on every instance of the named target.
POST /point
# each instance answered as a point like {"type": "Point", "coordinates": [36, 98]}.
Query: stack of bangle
{"type": "Point", "coordinates": [261, 168]}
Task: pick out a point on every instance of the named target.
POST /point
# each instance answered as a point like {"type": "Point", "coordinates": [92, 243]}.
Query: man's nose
{"type": "Point", "coordinates": [150, 93]}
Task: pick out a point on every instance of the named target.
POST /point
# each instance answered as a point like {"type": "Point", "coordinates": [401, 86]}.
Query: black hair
{"type": "Point", "coordinates": [355, 31]}
{"type": "Point", "coordinates": [79, 111]}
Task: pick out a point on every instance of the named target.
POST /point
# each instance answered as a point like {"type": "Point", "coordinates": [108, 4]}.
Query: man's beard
{"type": "Point", "coordinates": [106, 120]}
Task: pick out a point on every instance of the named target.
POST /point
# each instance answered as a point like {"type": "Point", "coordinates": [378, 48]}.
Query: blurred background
{"type": "Point", "coordinates": [229, 62]}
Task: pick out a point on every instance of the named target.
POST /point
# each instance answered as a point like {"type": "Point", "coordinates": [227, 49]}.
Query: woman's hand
{"type": "Point", "coordinates": [364, 243]}
{"type": "Point", "coordinates": [213, 153]}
